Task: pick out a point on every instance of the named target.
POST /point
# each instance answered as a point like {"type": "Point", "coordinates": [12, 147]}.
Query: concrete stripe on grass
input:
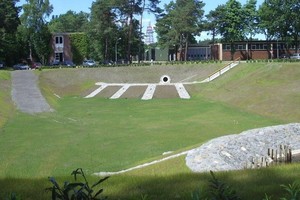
{"type": "Point", "coordinates": [120, 92]}
{"type": "Point", "coordinates": [141, 166]}
{"type": "Point", "coordinates": [182, 91]}
{"type": "Point", "coordinates": [149, 92]}
{"type": "Point", "coordinates": [97, 91]}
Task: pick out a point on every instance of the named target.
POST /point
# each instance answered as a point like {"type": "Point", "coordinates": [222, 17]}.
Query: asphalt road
{"type": "Point", "coordinates": [26, 93]}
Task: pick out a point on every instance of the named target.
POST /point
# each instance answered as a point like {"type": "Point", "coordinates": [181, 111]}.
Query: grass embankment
{"type": "Point", "coordinates": [109, 135]}
{"type": "Point", "coordinates": [268, 89]}
{"type": "Point", "coordinates": [6, 105]}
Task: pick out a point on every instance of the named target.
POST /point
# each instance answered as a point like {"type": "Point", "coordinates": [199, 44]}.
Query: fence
{"type": "Point", "coordinates": [275, 156]}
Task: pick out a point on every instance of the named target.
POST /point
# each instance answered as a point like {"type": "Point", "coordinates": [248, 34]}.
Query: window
{"type": "Point", "coordinates": [58, 40]}
{"type": "Point", "coordinates": [241, 47]}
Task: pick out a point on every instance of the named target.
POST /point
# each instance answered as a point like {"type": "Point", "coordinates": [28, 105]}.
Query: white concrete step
{"type": "Point", "coordinates": [149, 92]}
{"type": "Point", "coordinates": [182, 91]}
{"type": "Point", "coordinates": [121, 91]}
{"type": "Point", "coordinates": [94, 93]}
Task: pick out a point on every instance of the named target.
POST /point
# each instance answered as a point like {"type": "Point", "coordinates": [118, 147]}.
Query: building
{"type": "Point", "coordinates": [246, 50]}
{"type": "Point", "coordinates": [61, 46]}
{"type": "Point", "coordinates": [198, 52]}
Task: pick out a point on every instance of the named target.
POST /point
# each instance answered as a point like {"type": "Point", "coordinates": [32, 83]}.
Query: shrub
{"type": "Point", "coordinates": [76, 190]}
{"type": "Point", "coordinates": [293, 191]}
{"type": "Point", "coordinates": [13, 196]}
{"type": "Point", "coordinates": [218, 190]}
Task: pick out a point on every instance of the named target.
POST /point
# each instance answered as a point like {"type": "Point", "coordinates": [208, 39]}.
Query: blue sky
{"type": "Point", "coordinates": [62, 6]}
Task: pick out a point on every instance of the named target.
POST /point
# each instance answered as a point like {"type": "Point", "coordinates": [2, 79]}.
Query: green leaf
{"type": "Point", "coordinates": [100, 181]}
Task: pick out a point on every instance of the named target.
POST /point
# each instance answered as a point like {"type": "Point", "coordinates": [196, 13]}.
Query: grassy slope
{"type": "Point", "coordinates": [268, 89]}
{"type": "Point", "coordinates": [6, 105]}
{"type": "Point", "coordinates": [82, 137]}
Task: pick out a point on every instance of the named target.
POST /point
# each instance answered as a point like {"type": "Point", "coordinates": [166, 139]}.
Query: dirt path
{"type": "Point", "coordinates": [26, 93]}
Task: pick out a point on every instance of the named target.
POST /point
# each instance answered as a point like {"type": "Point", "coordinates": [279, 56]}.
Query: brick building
{"type": "Point", "coordinates": [254, 50]}
{"type": "Point", "coordinates": [61, 46]}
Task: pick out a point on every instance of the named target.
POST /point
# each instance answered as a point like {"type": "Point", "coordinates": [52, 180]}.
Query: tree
{"type": "Point", "coordinates": [167, 35]}
{"type": "Point", "coordinates": [103, 30]}
{"type": "Point", "coordinates": [69, 22]}
{"type": "Point", "coordinates": [265, 21]}
{"type": "Point", "coordinates": [37, 32]}
{"type": "Point", "coordinates": [287, 24]}
{"type": "Point", "coordinates": [250, 28]}
{"type": "Point", "coordinates": [9, 22]}
{"type": "Point", "coordinates": [231, 25]}
{"type": "Point", "coordinates": [250, 22]}
{"type": "Point", "coordinates": [180, 24]}
{"type": "Point", "coordinates": [126, 11]}
{"type": "Point", "coordinates": [213, 18]}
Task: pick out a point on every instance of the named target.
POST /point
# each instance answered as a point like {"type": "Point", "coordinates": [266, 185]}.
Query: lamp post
{"type": "Point", "coordinates": [116, 50]}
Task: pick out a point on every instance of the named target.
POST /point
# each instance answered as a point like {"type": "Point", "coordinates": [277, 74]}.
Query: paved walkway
{"type": "Point", "coordinates": [26, 94]}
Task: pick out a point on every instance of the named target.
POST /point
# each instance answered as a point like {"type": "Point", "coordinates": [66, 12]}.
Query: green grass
{"type": "Point", "coordinates": [109, 135]}
{"type": "Point", "coordinates": [6, 106]}
{"type": "Point", "coordinates": [268, 89]}
{"type": "Point", "coordinates": [106, 135]}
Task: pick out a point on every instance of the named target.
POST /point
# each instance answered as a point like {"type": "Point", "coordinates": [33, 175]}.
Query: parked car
{"type": "Point", "coordinates": [107, 62]}
{"type": "Point", "coordinates": [55, 63]}
{"type": "Point", "coordinates": [68, 63]}
{"type": "Point", "coordinates": [36, 65]}
{"type": "Point", "coordinates": [2, 65]}
{"type": "Point", "coordinates": [295, 56]}
{"type": "Point", "coordinates": [89, 63]}
{"type": "Point", "coordinates": [285, 56]}
{"type": "Point", "coordinates": [21, 66]}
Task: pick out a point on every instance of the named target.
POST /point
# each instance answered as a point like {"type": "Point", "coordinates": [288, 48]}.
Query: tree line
{"type": "Point", "coordinates": [26, 30]}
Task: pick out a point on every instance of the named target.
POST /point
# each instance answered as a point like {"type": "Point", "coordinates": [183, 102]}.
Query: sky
{"type": "Point", "coordinates": [62, 6]}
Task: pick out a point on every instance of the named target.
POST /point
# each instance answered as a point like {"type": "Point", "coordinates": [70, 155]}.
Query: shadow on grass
{"type": "Point", "coordinates": [249, 184]}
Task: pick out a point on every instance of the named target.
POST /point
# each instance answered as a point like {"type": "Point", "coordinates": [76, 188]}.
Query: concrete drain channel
{"type": "Point", "coordinates": [149, 92]}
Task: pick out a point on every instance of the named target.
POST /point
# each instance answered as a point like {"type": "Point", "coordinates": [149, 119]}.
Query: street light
{"type": "Point", "coordinates": [116, 50]}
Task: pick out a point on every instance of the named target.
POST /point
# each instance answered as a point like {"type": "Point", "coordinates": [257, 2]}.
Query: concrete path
{"type": "Point", "coordinates": [26, 93]}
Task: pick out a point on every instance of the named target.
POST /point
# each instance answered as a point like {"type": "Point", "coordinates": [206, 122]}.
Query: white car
{"type": "Point", "coordinates": [89, 63]}
{"type": "Point", "coordinates": [295, 56]}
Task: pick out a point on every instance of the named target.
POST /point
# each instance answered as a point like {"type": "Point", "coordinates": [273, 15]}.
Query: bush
{"type": "Point", "coordinates": [76, 190]}
{"type": "Point", "coordinates": [218, 190]}
{"type": "Point", "coordinates": [293, 191]}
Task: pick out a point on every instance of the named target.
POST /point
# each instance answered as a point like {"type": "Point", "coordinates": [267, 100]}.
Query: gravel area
{"type": "Point", "coordinates": [26, 93]}
{"type": "Point", "coordinates": [234, 152]}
